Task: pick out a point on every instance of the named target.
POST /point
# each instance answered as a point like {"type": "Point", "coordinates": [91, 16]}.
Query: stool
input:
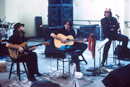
{"type": "Point", "coordinates": [68, 59]}
{"type": "Point", "coordinates": [60, 55]}
{"type": "Point", "coordinates": [18, 69]}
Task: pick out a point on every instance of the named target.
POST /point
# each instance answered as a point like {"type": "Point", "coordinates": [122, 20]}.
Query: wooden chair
{"type": "Point", "coordinates": [18, 71]}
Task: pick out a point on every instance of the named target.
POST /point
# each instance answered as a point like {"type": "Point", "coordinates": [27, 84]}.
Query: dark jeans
{"type": "Point", "coordinates": [75, 56]}
{"type": "Point", "coordinates": [31, 61]}
{"type": "Point", "coordinates": [118, 37]}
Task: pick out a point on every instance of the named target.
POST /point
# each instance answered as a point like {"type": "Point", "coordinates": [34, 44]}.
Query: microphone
{"type": "Point", "coordinates": [117, 15]}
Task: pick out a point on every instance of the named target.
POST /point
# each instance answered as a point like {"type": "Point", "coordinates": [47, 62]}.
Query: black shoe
{"type": "Point", "coordinates": [38, 74]}
{"type": "Point", "coordinates": [102, 64]}
{"type": "Point", "coordinates": [33, 79]}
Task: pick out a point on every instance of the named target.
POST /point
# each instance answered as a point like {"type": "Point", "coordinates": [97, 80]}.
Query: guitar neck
{"type": "Point", "coordinates": [25, 49]}
{"type": "Point", "coordinates": [74, 40]}
{"type": "Point", "coordinates": [44, 43]}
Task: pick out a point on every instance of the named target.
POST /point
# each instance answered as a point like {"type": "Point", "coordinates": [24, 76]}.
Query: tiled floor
{"type": "Point", "coordinates": [47, 66]}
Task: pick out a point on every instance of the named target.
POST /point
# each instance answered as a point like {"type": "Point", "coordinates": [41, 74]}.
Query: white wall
{"type": "Point", "coordinates": [94, 10]}
{"type": "Point", "coordinates": [2, 9]}
{"type": "Point", "coordinates": [25, 11]}
{"type": "Point", "coordinates": [127, 16]}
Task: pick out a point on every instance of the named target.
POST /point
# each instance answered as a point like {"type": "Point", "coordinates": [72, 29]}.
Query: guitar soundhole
{"type": "Point", "coordinates": [67, 40]}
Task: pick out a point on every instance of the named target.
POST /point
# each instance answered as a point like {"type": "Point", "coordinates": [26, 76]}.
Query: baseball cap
{"type": "Point", "coordinates": [17, 25]}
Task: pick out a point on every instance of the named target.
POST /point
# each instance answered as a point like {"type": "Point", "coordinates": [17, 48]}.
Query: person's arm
{"type": "Point", "coordinates": [105, 25]}
{"type": "Point", "coordinates": [116, 24]}
{"type": "Point", "coordinates": [11, 46]}
{"type": "Point", "coordinates": [57, 37]}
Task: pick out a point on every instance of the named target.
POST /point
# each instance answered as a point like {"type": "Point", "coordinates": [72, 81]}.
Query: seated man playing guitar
{"type": "Point", "coordinates": [63, 35]}
{"type": "Point", "coordinates": [16, 43]}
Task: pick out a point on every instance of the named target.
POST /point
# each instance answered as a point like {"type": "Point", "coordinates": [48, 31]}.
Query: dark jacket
{"type": "Point", "coordinates": [107, 24]}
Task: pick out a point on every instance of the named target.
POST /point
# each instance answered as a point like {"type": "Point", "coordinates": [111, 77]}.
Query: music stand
{"type": "Point", "coordinates": [99, 49]}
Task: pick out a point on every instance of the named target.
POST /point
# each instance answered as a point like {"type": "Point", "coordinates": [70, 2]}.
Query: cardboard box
{"type": "Point", "coordinates": [3, 66]}
{"type": "Point", "coordinates": [3, 69]}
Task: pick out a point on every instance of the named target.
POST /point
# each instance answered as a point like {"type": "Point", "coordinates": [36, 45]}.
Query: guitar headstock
{"type": "Point", "coordinates": [85, 39]}
{"type": "Point", "coordinates": [46, 43]}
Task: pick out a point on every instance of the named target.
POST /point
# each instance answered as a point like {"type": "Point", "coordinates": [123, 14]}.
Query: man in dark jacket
{"type": "Point", "coordinates": [30, 57]}
{"type": "Point", "coordinates": [78, 44]}
{"type": "Point", "coordinates": [110, 28]}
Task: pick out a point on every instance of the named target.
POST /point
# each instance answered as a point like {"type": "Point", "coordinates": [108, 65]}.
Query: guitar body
{"type": "Point", "coordinates": [58, 43]}
{"type": "Point", "coordinates": [12, 52]}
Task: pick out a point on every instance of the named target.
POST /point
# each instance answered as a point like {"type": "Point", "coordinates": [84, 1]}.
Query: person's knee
{"type": "Point", "coordinates": [127, 38]}
{"type": "Point", "coordinates": [85, 46]}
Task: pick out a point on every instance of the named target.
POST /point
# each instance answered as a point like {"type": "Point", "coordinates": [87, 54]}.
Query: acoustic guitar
{"type": "Point", "coordinates": [69, 40]}
{"type": "Point", "coordinates": [14, 53]}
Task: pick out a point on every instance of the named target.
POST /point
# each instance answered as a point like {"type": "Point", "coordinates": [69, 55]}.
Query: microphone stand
{"type": "Point", "coordinates": [119, 31]}
{"type": "Point", "coordinates": [99, 49]}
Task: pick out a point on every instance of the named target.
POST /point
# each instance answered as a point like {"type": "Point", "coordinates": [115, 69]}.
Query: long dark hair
{"type": "Point", "coordinates": [70, 22]}
{"type": "Point", "coordinates": [17, 32]}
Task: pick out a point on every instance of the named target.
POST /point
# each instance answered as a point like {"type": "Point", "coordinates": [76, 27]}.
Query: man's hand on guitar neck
{"type": "Point", "coordinates": [32, 48]}
{"type": "Point", "coordinates": [85, 39]}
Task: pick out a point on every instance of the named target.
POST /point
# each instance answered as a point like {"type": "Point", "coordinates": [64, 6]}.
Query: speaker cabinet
{"type": "Point", "coordinates": [66, 13]}
{"type": "Point", "coordinates": [59, 11]}
{"type": "Point", "coordinates": [60, 1]}
{"type": "Point", "coordinates": [38, 26]}
{"type": "Point", "coordinates": [118, 78]}
{"type": "Point", "coordinates": [54, 16]}
{"type": "Point", "coordinates": [67, 1]}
